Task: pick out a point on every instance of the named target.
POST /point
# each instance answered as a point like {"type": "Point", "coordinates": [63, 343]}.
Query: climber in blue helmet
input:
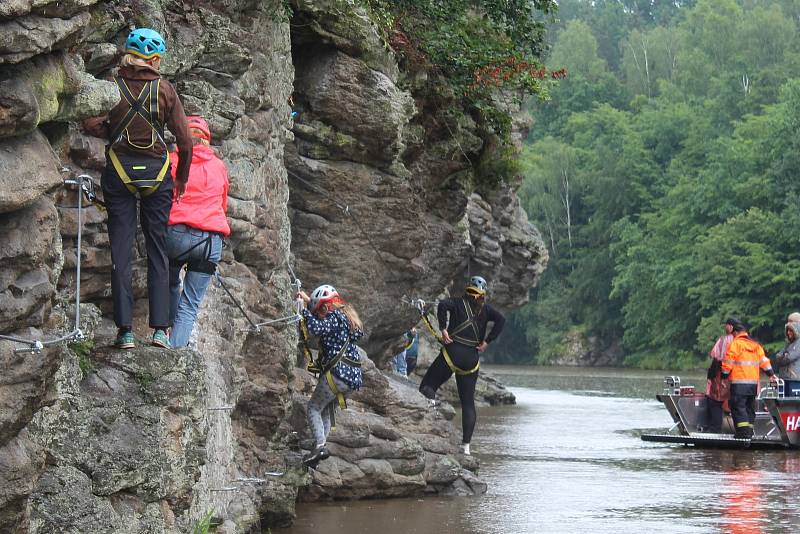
{"type": "Point", "coordinates": [137, 173]}
{"type": "Point", "coordinates": [145, 43]}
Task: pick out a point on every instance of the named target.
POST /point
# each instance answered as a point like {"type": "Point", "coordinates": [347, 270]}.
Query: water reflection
{"type": "Point", "coordinates": [568, 458]}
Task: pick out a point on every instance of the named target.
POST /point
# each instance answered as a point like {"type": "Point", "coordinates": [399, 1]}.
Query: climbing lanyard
{"type": "Point", "coordinates": [420, 305]}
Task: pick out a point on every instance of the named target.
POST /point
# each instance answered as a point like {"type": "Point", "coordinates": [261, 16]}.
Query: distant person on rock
{"type": "Point", "coordinates": [338, 326]}
{"type": "Point", "coordinates": [463, 322]}
{"type": "Point", "coordinates": [405, 361]}
{"type": "Point", "coordinates": [718, 391]}
{"type": "Point", "coordinates": [743, 359]}
{"type": "Point", "coordinates": [399, 363]}
{"type": "Point", "coordinates": [412, 350]}
{"type": "Point", "coordinates": [197, 225]}
{"type": "Point", "coordinates": [137, 174]}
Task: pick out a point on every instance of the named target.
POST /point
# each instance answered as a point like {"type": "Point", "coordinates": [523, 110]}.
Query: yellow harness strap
{"type": "Point", "coordinates": [454, 368]}
{"type": "Point", "coordinates": [339, 394]}
{"type": "Point", "coordinates": [457, 370]}
{"type": "Point", "coordinates": [152, 88]}
{"type": "Point", "coordinates": [311, 366]}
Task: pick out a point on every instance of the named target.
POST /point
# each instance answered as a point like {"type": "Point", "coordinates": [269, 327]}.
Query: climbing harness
{"type": "Point", "coordinates": [76, 335]}
{"type": "Point", "coordinates": [470, 322]}
{"type": "Point", "coordinates": [140, 173]}
{"type": "Point", "coordinates": [420, 305]}
{"type": "Point", "coordinates": [205, 265]}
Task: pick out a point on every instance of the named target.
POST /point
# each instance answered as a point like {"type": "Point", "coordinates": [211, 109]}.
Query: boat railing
{"type": "Point", "coordinates": [672, 385]}
{"type": "Point", "coordinates": [775, 390]}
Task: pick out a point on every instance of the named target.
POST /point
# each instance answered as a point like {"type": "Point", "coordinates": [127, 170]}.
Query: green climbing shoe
{"type": "Point", "coordinates": [125, 340]}
{"type": "Point", "coordinates": [161, 339]}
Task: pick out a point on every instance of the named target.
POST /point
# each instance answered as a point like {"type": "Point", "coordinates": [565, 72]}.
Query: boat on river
{"type": "Point", "coordinates": [777, 424]}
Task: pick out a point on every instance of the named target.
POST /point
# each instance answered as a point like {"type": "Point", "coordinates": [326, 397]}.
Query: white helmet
{"type": "Point", "coordinates": [477, 286]}
{"type": "Point", "coordinates": [322, 295]}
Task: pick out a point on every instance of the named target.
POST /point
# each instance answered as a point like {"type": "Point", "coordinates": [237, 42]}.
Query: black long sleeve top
{"type": "Point", "coordinates": [451, 313]}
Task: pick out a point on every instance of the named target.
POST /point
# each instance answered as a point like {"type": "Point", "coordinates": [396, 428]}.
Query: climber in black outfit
{"type": "Point", "coordinates": [464, 338]}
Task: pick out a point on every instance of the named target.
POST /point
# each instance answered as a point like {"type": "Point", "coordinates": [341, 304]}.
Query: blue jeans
{"type": "Point", "coordinates": [183, 305]}
{"type": "Point", "coordinates": [400, 363]}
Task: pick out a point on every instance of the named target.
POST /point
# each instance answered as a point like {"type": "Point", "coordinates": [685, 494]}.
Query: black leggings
{"type": "Point", "coordinates": [438, 373]}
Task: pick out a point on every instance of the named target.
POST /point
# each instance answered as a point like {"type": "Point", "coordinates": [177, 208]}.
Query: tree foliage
{"type": "Point", "coordinates": [678, 130]}
{"type": "Point", "coordinates": [480, 47]}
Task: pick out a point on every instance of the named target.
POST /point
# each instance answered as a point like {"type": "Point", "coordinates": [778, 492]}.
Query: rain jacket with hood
{"type": "Point", "coordinates": [205, 202]}
{"type": "Point", "coordinates": [717, 388]}
{"type": "Point", "coordinates": [743, 360]}
{"type": "Point", "coordinates": [787, 360]}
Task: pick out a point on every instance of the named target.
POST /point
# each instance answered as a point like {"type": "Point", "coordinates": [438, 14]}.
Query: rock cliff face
{"type": "Point", "coordinates": [96, 440]}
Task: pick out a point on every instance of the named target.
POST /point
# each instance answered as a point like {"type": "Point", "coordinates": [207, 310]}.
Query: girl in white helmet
{"type": "Point", "coordinates": [338, 326]}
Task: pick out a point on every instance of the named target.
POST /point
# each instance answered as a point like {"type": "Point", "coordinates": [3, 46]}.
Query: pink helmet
{"type": "Point", "coordinates": [199, 123]}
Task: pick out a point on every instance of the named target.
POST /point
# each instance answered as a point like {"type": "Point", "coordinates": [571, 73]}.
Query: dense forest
{"type": "Point", "coordinates": [663, 174]}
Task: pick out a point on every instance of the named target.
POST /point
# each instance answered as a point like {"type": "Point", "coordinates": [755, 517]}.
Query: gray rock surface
{"type": "Point", "coordinates": [30, 263]}
{"type": "Point", "coordinates": [30, 35]}
{"type": "Point", "coordinates": [28, 160]}
{"type": "Point", "coordinates": [96, 440]}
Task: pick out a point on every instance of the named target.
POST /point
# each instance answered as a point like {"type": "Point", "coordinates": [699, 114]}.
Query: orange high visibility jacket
{"type": "Point", "coordinates": [743, 359]}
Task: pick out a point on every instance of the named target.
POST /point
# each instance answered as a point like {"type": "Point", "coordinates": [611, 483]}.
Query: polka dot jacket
{"type": "Point", "coordinates": [332, 331]}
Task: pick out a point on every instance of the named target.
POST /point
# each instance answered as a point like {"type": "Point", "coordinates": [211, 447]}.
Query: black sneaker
{"type": "Point", "coordinates": [316, 456]}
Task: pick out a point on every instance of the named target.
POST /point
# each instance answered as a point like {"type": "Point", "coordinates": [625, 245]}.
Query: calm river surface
{"type": "Point", "coordinates": [568, 458]}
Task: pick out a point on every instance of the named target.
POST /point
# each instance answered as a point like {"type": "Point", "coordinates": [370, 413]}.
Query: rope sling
{"type": "Point", "coordinates": [470, 322]}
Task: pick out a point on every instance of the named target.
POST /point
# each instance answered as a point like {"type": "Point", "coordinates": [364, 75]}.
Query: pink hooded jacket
{"type": "Point", "coordinates": [205, 202]}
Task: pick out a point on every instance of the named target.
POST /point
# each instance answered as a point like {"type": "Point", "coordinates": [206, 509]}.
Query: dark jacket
{"type": "Point", "coordinates": [170, 112]}
{"type": "Point", "coordinates": [454, 308]}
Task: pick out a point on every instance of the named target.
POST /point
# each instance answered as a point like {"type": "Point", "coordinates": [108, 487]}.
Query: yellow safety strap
{"type": "Point", "coordinates": [130, 183]}
{"type": "Point", "coordinates": [457, 370]}
{"type": "Point", "coordinates": [339, 394]}
{"type": "Point", "coordinates": [311, 366]}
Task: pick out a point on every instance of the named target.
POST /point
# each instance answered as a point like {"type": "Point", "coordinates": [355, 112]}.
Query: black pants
{"type": "Point", "coordinates": [714, 408]}
{"type": "Point", "coordinates": [743, 408]}
{"type": "Point", "coordinates": [411, 364]}
{"type": "Point", "coordinates": [154, 213]}
{"type": "Point", "coordinates": [438, 373]}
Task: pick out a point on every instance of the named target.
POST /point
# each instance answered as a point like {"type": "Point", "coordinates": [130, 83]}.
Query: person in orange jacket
{"type": "Point", "coordinates": [742, 362]}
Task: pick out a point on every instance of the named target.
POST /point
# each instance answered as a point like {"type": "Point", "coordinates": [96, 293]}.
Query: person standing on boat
{"type": "Point", "coordinates": [743, 359]}
{"type": "Point", "coordinates": [718, 390]}
{"type": "Point", "coordinates": [463, 322]}
{"type": "Point", "coordinates": [787, 360]}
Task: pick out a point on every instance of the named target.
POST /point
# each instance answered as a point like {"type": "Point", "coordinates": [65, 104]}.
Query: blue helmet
{"type": "Point", "coordinates": [477, 286]}
{"type": "Point", "coordinates": [145, 43]}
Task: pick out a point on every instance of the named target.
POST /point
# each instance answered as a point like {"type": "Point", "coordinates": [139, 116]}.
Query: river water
{"type": "Point", "coordinates": [568, 458]}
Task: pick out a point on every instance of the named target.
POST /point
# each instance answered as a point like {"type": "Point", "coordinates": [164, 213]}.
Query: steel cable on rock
{"type": "Point", "coordinates": [346, 209]}
{"type": "Point", "coordinates": [35, 346]}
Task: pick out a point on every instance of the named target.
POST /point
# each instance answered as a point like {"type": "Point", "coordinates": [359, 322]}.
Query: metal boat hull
{"type": "Point", "coordinates": [777, 424]}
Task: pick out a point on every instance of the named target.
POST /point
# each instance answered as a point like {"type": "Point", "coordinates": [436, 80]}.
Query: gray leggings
{"type": "Point", "coordinates": [322, 401]}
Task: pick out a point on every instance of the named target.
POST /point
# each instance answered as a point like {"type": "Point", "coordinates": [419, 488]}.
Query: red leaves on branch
{"type": "Point", "coordinates": [512, 68]}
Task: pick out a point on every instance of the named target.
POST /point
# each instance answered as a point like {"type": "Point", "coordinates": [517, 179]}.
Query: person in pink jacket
{"type": "Point", "coordinates": [197, 225]}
